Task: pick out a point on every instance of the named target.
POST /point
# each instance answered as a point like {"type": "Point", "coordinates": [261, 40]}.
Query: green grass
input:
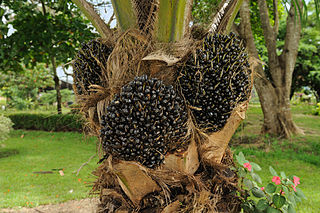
{"type": "Point", "coordinates": [299, 155]}
{"type": "Point", "coordinates": [21, 156]}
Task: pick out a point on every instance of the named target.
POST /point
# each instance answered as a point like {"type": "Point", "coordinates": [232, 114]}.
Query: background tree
{"type": "Point", "coordinates": [274, 90]}
{"type": "Point", "coordinates": [44, 31]}
{"type": "Point", "coordinates": [22, 88]}
{"type": "Point", "coordinates": [307, 68]}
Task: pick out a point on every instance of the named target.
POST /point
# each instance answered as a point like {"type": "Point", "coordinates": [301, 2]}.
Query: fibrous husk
{"type": "Point", "coordinates": [214, 145]}
{"type": "Point", "coordinates": [210, 189]}
{"type": "Point", "coordinates": [134, 181]}
{"type": "Point", "coordinates": [146, 11]}
{"type": "Point", "coordinates": [186, 161]}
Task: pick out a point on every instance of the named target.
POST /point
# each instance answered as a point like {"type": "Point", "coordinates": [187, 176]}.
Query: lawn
{"type": "Point", "coordinates": [28, 155]}
{"type": "Point", "coordinates": [27, 152]}
{"type": "Point", "coordinates": [298, 156]}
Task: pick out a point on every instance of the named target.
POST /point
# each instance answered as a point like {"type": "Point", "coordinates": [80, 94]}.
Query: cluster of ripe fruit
{"type": "Point", "coordinates": [147, 118]}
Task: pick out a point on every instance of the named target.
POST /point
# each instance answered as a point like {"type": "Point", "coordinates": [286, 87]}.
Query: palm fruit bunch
{"type": "Point", "coordinates": [145, 121]}
{"type": "Point", "coordinates": [87, 65]}
{"type": "Point", "coordinates": [215, 79]}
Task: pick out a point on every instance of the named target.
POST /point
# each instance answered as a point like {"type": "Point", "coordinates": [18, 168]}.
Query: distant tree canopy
{"type": "Point", "coordinates": [307, 68]}
{"type": "Point", "coordinates": [21, 89]}
{"type": "Point", "coordinates": [45, 31]}
{"type": "Point", "coordinates": [41, 30]}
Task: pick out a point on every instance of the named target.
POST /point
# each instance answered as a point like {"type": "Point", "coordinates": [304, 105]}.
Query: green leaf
{"type": "Point", "coordinates": [278, 200]}
{"type": "Point", "coordinates": [272, 210]}
{"type": "Point", "coordinates": [271, 188]}
{"type": "Point", "coordinates": [242, 172]}
{"type": "Point", "coordinates": [283, 175]}
{"type": "Point", "coordinates": [255, 166]}
{"type": "Point", "coordinates": [272, 171]}
{"type": "Point", "coordinates": [257, 192]}
{"type": "Point", "coordinates": [298, 199]}
{"type": "Point", "coordinates": [285, 190]}
{"type": "Point", "coordinates": [292, 200]}
{"type": "Point", "coordinates": [291, 209]}
{"type": "Point", "coordinates": [240, 158]}
{"type": "Point", "coordinates": [248, 206]}
{"type": "Point", "coordinates": [248, 183]}
{"type": "Point", "coordinates": [300, 194]}
{"type": "Point", "coordinates": [262, 205]}
{"type": "Point", "coordinates": [256, 177]}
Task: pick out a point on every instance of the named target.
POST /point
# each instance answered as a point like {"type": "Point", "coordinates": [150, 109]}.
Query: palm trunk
{"type": "Point", "coordinates": [56, 84]}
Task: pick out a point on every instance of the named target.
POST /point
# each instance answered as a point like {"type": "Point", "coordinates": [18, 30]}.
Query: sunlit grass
{"type": "Point", "coordinates": [27, 152]}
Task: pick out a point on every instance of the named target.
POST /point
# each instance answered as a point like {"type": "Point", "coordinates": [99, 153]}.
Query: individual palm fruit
{"type": "Point", "coordinates": [144, 122]}
{"type": "Point", "coordinates": [87, 65]}
{"type": "Point", "coordinates": [215, 79]}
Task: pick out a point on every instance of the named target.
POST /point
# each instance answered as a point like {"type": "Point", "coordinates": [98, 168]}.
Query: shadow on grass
{"type": "Point", "coordinates": [8, 152]}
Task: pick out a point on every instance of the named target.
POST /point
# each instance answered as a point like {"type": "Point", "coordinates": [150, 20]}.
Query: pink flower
{"type": "Point", "coordinates": [296, 180]}
{"type": "Point", "coordinates": [294, 188]}
{"type": "Point", "coordinates": [262, 188]}
{"type": "Point", "coordinates": [276, 180]}
{"type": "Point", "coordinates": [248, 166]}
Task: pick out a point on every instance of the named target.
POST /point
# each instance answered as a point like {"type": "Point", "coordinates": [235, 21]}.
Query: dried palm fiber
{"type": "Point", "coordinates": [208, 190]}
{"type": "Point", "coordinates": [146, 11]}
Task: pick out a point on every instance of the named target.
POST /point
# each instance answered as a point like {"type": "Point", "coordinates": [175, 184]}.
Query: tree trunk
{"type": "Point", "coordinates": [274, 96]}
{"type": "Point", "coordinates": [56, 84]}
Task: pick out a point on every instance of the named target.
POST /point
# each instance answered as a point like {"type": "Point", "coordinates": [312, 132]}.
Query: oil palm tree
{"type": "Point", "coordinates": [156, 38]}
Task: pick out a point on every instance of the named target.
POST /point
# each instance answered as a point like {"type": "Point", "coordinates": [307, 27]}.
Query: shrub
{"type": "Point", "coordinates": [50, 97]}
{"type": "Point", "coordinates": [281, 194]}
{"type": "Point", "coordinates": [5, 127]}
{"type": "Point", "coordinates": [316, 111]}
{"type": "Point", "coordinates": [57, 122]}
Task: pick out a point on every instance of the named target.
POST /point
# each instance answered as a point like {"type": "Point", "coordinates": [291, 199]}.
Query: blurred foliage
{"type": "Point", "coordinates": [50, 96]}
{"type": "Point", "coordinates": [22, 90]}
{"type": "Point", "coordinates": [307, 68]}
{"type": "Point", "coordinates": [203, 10]}
{"type": "Point", "coordinates": [40, 30]}
{"type": "Point", "coordinates": [316, 110]}
{"type": "Point", "coordinates": [5, 127]}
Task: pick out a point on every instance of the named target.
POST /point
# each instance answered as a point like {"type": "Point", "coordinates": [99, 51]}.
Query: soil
{"type": "Point", "coordinates": [87, 205]}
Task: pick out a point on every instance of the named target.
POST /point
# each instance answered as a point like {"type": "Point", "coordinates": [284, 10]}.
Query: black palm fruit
{"type": "Point", "coordinates": [143, 122]}
{"type": "Point", "coordinates": [87, 65]}
{"type": "Point", "coordinates": [215, 79]}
